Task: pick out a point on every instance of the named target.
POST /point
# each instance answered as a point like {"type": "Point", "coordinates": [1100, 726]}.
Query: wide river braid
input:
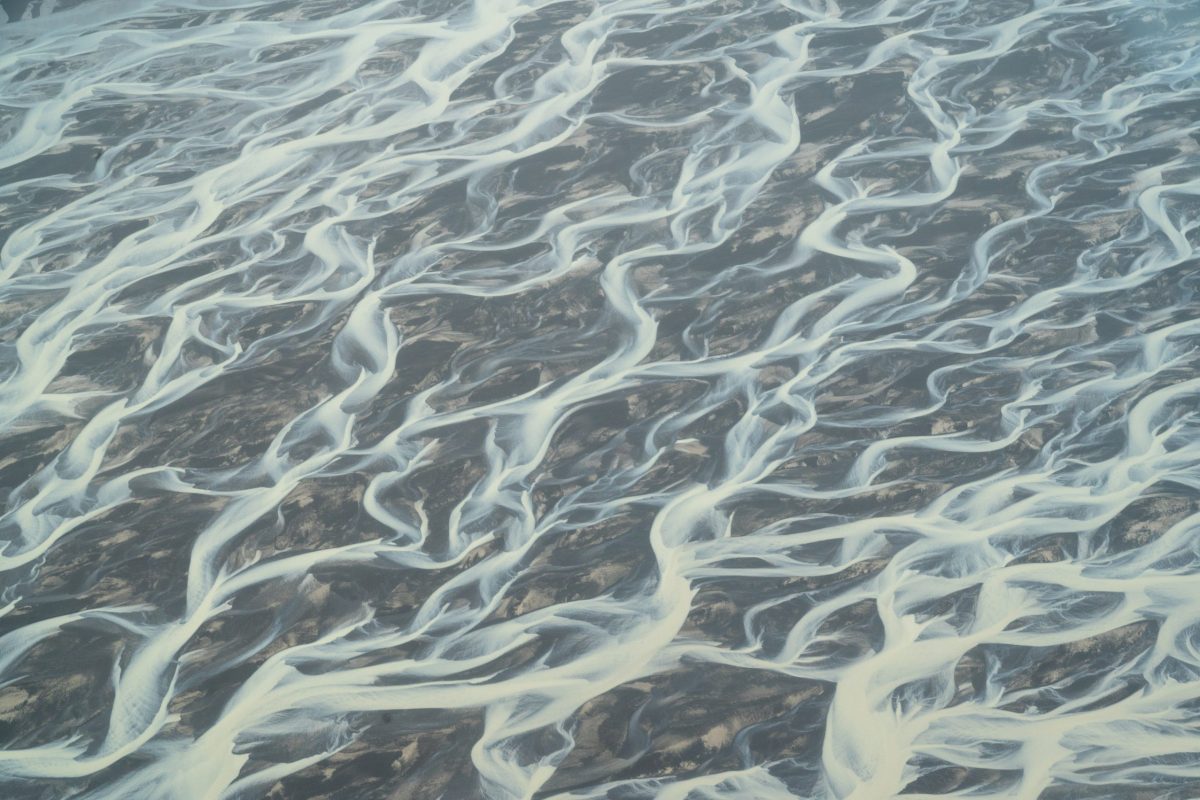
{"type": "Point", "coordinates": [599, 399]}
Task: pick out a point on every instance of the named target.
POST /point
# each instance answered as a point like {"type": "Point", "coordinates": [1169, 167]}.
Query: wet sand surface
{"type": "Point", "coordinates": [682, 399]}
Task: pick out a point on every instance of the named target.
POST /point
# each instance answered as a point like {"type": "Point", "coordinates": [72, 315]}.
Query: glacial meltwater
{"type": "Point", "coordinates": [581, 399]}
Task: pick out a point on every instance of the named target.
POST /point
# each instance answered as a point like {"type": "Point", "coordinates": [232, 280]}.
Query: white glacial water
{"type": "Point", "coordinates": [678, 399]}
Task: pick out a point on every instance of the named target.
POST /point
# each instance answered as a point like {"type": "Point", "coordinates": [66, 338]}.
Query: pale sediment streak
{"type": "Point", "coordinates": [600, 399]}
